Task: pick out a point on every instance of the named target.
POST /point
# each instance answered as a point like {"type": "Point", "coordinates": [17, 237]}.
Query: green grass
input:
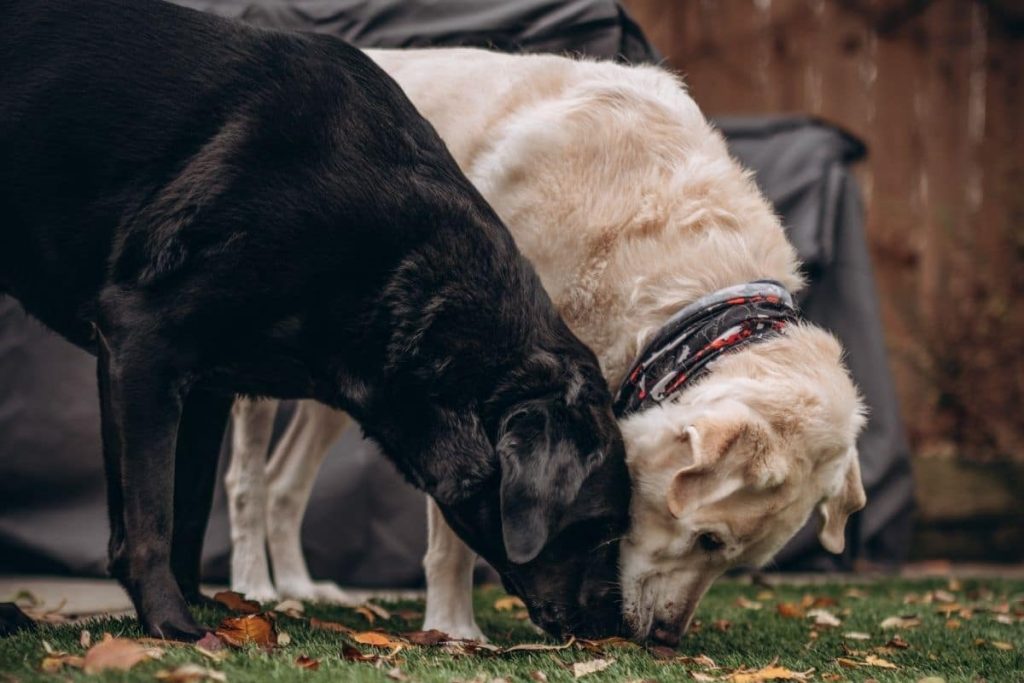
{"type": "Point", "coordinates": [752, 638]}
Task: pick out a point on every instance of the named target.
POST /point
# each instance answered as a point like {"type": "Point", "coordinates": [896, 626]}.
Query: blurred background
{"type": "Point", "coordinates": [888, 136]}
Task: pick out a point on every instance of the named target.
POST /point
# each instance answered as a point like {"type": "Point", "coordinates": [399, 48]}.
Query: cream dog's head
{"type": "Point", "coordinates": [729, 471]}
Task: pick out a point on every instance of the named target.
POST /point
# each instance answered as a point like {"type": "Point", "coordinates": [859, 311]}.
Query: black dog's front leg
{"type": "Point", "coordinates": [140, 405]}
{"type": "Point", "coordinates": [195, 475]}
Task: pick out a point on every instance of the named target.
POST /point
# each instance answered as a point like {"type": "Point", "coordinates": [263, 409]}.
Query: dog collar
{"type": "Point", "coordinates": [687, 343]}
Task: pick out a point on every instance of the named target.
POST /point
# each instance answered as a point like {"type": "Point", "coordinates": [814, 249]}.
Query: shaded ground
{"type": "Point", "coordinates": [968, 630]}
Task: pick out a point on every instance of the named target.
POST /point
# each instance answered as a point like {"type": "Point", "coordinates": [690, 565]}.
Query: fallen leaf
{"type": "Point", "coordinates": [396, 674]}
{"type": "Point", "coordinates": [428, 638]}
{"type": "Point", "coordinates": [897, 642]}
{"type": "Point", "coordinates": [1001, 618]}
{"type": "Point", "coordinates": [954, 585]}
{"type": "Point", "coordinates": [698, 676]}
{"type": "Point", "coordinates": [304, 662]}
{"type": "Point", "coordinates": [374, 638]}
{"type": "Point", "coordinates": [748, 604]}
{"type": "Point", "coordinates": [857, 635]}
{"type": "Point", "coordinates": [353, 654]}
{"type": "Point", "coordinates": [822, 617]}
{"type": "Point", "coordinates": [771, 672]}
{"type": "Point", "coordinates": [765, 595]}
{"type": "Point", "coordinates": [366, 614]}
{"type": "Point", "coordinates": [905, 621]}
{"type": "Point", "coordinates": [237, 602]}
{"type": "Point", "coordinates": [944, 596]}
{"type": "Point", "coordinates": [847, 662]}
{"type": "Point", "coordinates": [291, 608]}
{"type": "Point", "coordinates": [190, 673]}
{"type": "Point", "coordinates": [254, 629]}
{"type": "Point", "coordinates": [856, 593]}
{"type": "Point", "coordinates": [283, 639]}
{"type": "Point", "coordinates": [376, 610]}
{"type": "Point", "coordinates": [699, 660]}
{"type": "Point", "coordinates": [662, 652]}
{"type": "Point", "coordinates": [539, 676]}
{"type": "Point", "coordinates": [508, 603]}
{"type": "Point", "coordinates": [1000, 645]}
{"type": "Point", "coordinates": [931, 679]}
{"type": "Point", "coordinates": [329, 626]}
{"type": "Point", "coordinates": [85, 639]}
{"type": "Point", "coordinates": [601, 644]}
{"type": "Point", "coordinates": [120, 654]}
{"type": "Point", "coordinates": [790, 610]}
{"type": "Point", "coordinates": [831, 677]}
{"type": "Point", "coordinates": [872, 660]}
{"type": "Point", "coordinates": [408, 614]}
{"type": "Point", "coordinates": [539, 647]}
{"type": "Point", "coordinates": [722, 625]}
{"type": "Point", "coordinates": [581, 669]}
{"type": "Point", "coordinates": [948, 609]}
{"type": "Point", "coordinates": [55, 661]}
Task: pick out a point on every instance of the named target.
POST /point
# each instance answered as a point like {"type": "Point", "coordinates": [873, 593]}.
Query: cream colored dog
{"type": "Point", "coordinates": [628, 204]}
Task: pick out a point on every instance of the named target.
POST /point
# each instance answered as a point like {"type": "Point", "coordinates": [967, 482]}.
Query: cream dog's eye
{"type": "Point", "coordinates": [710, 542]}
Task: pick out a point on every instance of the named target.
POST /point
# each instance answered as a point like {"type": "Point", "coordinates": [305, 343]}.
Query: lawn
{"type": "Point", "coordinates": [954, 631]}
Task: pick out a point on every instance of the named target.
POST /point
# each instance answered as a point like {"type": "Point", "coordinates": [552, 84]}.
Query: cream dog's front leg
{"type": "Point", "coordinates": [290, 473]}
{"type": "Point", "coordinates": [449, 567]}
{"type": "Point", "coordinates": [252, 423]}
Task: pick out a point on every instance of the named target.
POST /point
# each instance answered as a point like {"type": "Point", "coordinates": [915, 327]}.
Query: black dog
{"type": "Point", "coordinates": [214, 210]}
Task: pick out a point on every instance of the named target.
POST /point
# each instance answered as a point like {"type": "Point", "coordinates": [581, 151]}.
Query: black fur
{"type": "Point", "coordinates": [215, 210]}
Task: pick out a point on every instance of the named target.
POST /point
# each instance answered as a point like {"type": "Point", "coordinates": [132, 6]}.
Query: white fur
{"type": "Point", "coordinates": [628, 204]}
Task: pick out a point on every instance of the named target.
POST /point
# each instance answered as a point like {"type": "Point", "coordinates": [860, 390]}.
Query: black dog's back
{"type": "Point", "coordinates": [127, 125]}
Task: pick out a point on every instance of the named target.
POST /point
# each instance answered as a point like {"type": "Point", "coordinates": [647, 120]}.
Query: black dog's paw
{"type": "Point", "coordinates": [13, 620]}
{"type": "Point", "coordinates": [174, 625]}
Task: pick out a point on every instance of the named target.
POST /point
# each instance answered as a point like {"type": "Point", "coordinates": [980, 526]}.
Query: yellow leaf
{"type": "Point", "coordinates": [508, 603]}
{"type": "Point", "coordinates": [374, 638]}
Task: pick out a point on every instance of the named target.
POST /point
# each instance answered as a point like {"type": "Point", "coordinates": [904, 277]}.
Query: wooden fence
{"type": "Point", "coordinates": [934, 88]}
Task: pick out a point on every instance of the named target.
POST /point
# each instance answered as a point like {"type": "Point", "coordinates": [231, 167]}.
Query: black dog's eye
{"type": "Point", "coordinates": [710, 542]}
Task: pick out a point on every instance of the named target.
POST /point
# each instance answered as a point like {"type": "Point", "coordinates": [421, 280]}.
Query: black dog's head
{"type": "Point", "coordinates": [553, 500]}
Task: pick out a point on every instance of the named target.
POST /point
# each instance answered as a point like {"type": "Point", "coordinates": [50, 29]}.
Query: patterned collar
{"type": "Point", "coordinates": [698, 334]}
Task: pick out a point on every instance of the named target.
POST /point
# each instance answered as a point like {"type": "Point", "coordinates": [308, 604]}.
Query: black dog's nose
{"type": "Point", "coordinates": [664, 633]}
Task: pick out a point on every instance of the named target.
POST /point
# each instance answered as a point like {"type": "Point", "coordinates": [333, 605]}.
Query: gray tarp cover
{"type": "Point", "coordinates": [365, 526]}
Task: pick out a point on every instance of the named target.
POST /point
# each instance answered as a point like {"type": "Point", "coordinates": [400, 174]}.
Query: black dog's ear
{"type": "Point", "coordinates": [546, 449]}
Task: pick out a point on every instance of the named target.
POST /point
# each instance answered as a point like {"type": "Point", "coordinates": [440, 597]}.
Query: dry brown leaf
{"type": "Point", "coordinates": [931, 679]}
{"type": "Point", "coordinates": [237, 602]}
{"type": "Point", "coordinates": [698, 676]}
{"type": "Point", "coordinates": [1000, 645]}
{"type": "Point", "coordinates": [722, 625]}
{"type": "Point", "coordinates": [848, 663]}
{"type": "Point", "coordinates": [427, 638]}
{"type": "Point", "coordinates": [772, 672]}
{"type": "Point", "coordinates": [699, 660]}
{"type": "Point", "coordinates": [190, 673]}
{"type": "Point", "coordinates": [329, 626]}
{"type": "Point", "coordinates": [748, 604]}
{"type": "Point", "coordinates": [353, 654]}
{"type": "Point", "coordinates": [857, 635]}
{"type": "Point", "coordinates": [952, 623]}
{"type": "Point", "coordinates": [897, 642]}
{"type": "Point", "coordinates": [539, 676]}
{"type": "Point", "coordinates": [947, 610]}
{"type": "Point", "coordinates": [1004, 619]}
{"type": "Point", "coordinates": [954, 585]}
{"type": "Point", "coordinates": [944, 596]}
{"type": "Point", "coordinates": [831, 677]}
{"type": "Point", "coordinates": [85, 639]}
{"type": "Point", "coordinates": [374, 638]}
{"type": "Point", "coordinates": [396, 674]}
{"type": "Point", "coordinates": [304, 662]}
{"type": "Point", "coordinates": [117, 653]}
{"type": "Point", "coordinates": [901, 621]}
{"type": "Point", "coordinates": [508, 603]}
{"type": "Point", "coordinates": [539, 647]}
{"type": "Point", "coordinates": [255, 629]}
{"type": "Point", "coordinates": [855, 593]}
{"type": "Point", "coordinates": [789, 610]}
{"type": "Point", "coordinates": [872, 660]}
{"type": "Point", "coordinates": [283, 639]}
{"type": "Point", "coordinates": [581, 669]}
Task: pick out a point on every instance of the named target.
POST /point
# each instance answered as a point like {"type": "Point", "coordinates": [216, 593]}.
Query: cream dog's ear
{"type": "Point", "coordinates": [834, 511]}
{"type": "Point", "coordinates": [710, 440]}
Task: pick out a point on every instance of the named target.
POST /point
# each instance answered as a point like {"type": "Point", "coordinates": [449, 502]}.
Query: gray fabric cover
{"type": "Point", "coordinates": [365, 526]}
